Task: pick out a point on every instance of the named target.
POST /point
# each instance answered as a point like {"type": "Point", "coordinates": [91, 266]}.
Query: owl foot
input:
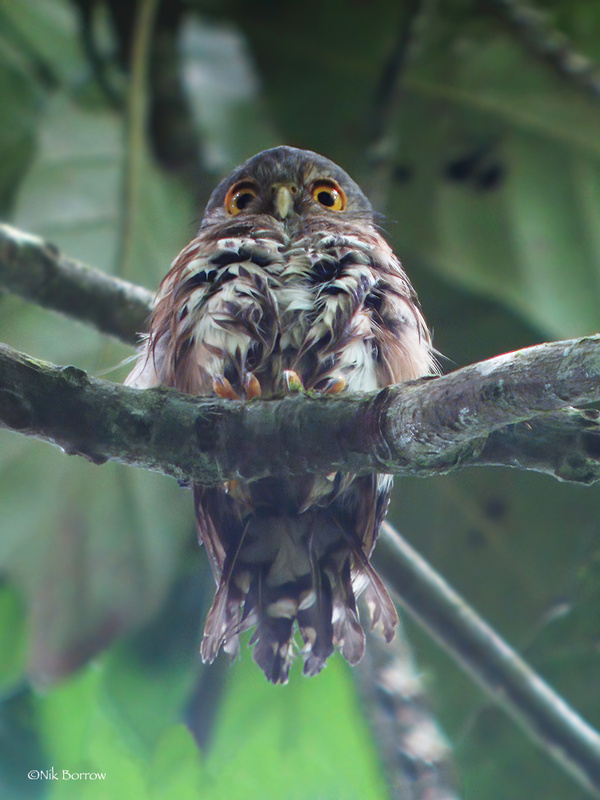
{"type": "Point", "coordinates": [222, 388]}
{"type": "Point", "coordinates": [292, 381]}
{"type": "Point", "coordinates": [252, 387]}
{"type": "Point", "coordinates": [334, 385]}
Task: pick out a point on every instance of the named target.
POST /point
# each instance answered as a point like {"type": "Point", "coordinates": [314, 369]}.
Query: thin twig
{"type": "Point", "coordinates": [388, 96]}
{"type": "Point", "coordinates": [416, 756]}
{"type": "Point", "coordinates": [137, 123]}
{"type": "Point", "coordinates": [530, 26]}
{"type": "Point", "coordinates": [542, 713]}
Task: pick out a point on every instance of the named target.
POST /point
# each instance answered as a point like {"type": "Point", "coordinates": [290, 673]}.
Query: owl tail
{"type": "Point", "coordinates": [320, 600]}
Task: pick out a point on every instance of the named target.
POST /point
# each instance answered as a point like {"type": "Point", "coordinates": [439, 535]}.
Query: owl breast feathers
{"type": "Point", "coordinates": [288, 286]}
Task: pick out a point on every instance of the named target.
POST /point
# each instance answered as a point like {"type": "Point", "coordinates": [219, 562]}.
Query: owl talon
{"type": "Point", "coordinates": [224, 389]}
{"type": "Point", "coordinates": [292, 381]}
{"type": "Point", "coordinates": [334, 385]}
{"type": "Point", "coordinates": [252, 387]}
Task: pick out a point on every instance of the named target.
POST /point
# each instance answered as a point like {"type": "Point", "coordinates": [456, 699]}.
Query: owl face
{"type": "Point", "coordinates": [287, 184]}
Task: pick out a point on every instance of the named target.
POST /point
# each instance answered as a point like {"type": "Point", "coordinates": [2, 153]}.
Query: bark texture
{"type": "Point", "coordinates": [424, 427]}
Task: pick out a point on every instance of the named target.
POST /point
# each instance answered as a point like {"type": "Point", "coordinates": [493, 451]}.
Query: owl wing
{"type": "Point", "coordinates": [215, 318]}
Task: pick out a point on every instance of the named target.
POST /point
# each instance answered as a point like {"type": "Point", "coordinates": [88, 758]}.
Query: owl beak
{"type": "Point", "coordinates": [283, 200]}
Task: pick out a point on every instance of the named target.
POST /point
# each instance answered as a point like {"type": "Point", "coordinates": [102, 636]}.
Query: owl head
{"type": "Point", "coordinates": [290, 185]}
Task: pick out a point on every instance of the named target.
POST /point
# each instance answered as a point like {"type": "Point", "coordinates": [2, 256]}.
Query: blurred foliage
{"type": "Point", "coordinates": [486, 161]}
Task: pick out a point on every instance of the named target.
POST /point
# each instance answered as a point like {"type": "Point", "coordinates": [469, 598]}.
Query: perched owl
{"type": "Point", "coordinates": [288, 286]}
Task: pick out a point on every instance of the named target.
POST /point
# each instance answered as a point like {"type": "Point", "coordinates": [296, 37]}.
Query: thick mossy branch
{"type": "Point", "coordinates": [36, 271]}
{"type": "Point", "coordinates": [420, 428]}
{"type": "Point", "coordinates": [565, 444]}
{"type": "Point", "coordinates": [433, 420]}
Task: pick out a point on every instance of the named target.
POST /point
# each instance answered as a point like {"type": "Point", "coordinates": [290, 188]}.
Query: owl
{"type": "Point", "coordinates": [288, 287]}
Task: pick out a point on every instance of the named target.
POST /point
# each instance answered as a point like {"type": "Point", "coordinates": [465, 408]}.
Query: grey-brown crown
{"type": "Point", "coordinates": [290, 165]}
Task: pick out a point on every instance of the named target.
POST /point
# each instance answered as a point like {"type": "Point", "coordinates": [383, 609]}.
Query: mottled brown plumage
{"type": "Point", "coordinates": [288, 285]}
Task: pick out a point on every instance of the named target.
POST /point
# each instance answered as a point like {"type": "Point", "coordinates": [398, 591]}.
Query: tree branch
{"type": "Point", "coordinates": [420, 428]}
{"type": "Point", "coordinates": [565, 444]}
{"type": "Point", "coordinates": [531, 26]}
{"type": "Point", "coordinates": [36, 271]}
{"type": "Point", "coordinates": [543, 714]}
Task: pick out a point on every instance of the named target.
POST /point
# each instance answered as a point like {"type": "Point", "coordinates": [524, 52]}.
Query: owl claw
{"type": "Point", "coordinates": [224, 389]}
{"type": "Point", "coordinates": [252, 386]}
{"type": "Point", "coordinates": [292, 381]}
{"type": "Point", "coordinates": [334, 385]}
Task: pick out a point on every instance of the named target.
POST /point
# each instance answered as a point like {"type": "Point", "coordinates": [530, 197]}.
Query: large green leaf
{"type": "Point", "coordinates": [307, 739]}
{"type": "Point", "coordinates": [311, 741]}
{"type": "Point", "coordinates": [80, 738]}
{"type": "Point", "coordinates": [503, 196]}
{"type": "Point", "coordinates": [74, 195]}
{"type": "Point", "coordinates": [90, 567]}
{"type": "Point", "coordinates": [94, 555]}
{"type": "Point", "coordinates": [47, 36]}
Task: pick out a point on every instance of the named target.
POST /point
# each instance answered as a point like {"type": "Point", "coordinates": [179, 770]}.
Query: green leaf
{"type": "Point", "coordinates": [503, 190]}
{"type": "Point", "coordinates": [70, 194]}
{"type": "Point", "coordinates": [306, 739]}
{"type": "Point", "coordinates": [176, 768]}
{"type": "Point", "coordinates": [83, 737]}
{"type": "Point", "coordinates": [13, 639]}
{"type": "Point", "coordinates": [47, 33]}
{"type": "Point", "coordinates": [73, 195]}
{"type": "Point", "coordinates": [80, 738]}
{"type": "Point", "coordinates": [90, 568]}
{"type": "Point", "coordinates": [150, 676]}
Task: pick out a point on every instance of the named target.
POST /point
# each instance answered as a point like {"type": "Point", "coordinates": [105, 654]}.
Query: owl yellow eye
{"type": "Point", "coordinates": [240, 196]}
{"type": "Point", "coordinates": [329, 194]}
